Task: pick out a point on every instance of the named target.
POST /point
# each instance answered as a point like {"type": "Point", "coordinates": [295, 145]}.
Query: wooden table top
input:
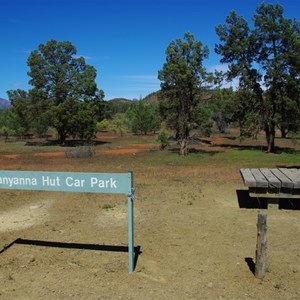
{"type": "Point", "coordinates": [276, 178]}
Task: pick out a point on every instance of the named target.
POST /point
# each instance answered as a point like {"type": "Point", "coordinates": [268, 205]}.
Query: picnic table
{"type": "Point", "coordinates": [273, 183]}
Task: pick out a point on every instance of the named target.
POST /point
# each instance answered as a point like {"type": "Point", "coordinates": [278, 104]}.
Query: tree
{"type": "Point", "coordinates": [263, 58]}
{"type": "Point", "coordinates": [61, 84]}
{"type": "Point", "coordinates": [21, 108]}
{"type": "Point", "coordinates": [143, 117]}
{"type": "Point", "coordinates": [8, 123]}
{"type": "Point", "coordinates": [182, 80]}
{"type": "Point", "coordinates": [118, 124]}
{"type": "Point", "coordinates": [222, 106]}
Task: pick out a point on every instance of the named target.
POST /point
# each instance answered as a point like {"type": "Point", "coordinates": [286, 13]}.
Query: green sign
{"type": "Point", "coordinates": [112, 183]}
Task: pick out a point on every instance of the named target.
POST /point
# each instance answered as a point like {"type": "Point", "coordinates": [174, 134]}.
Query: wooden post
{"type": "Point", "coordinates": [261, 246]}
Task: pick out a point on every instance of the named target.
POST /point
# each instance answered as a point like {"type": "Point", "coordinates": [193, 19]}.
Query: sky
{"type": "Point", "coordinates": [124, 40]}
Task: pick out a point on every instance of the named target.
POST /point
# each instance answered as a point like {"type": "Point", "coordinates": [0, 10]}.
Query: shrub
{"type": "Point", "coordinates": [163, 138]}
{"type": "Point", "coordinates": [80, 152]}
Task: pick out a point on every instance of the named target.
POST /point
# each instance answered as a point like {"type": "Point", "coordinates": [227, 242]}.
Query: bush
{"type": "Point", "coordinates": [80, 152]}
{"type": "Point", "coordinates": [163, 138]}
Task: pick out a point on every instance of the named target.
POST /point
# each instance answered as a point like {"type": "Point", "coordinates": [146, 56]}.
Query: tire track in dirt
{"type": "Point", "coordinates": [25, 216]}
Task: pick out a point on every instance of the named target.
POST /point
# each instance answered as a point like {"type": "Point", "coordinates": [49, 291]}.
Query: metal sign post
{"type": "Point", "coordinates": [130, 226]}
{"type": "Point", "coordinates": [111, 183]}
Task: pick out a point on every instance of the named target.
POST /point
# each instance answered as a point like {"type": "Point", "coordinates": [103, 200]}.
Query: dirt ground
{"type": "Point", "coordinates": [195, 236]}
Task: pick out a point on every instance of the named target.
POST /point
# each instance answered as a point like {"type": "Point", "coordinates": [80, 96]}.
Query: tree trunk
{"type": "Point", "coordinates": [283, 132]}
{"type": "Point", "coordinates": [183, 147]}
{"type": "Point", "coordinates": [270, 136]}
{"type": "Point", "coordinates": [61, 136]}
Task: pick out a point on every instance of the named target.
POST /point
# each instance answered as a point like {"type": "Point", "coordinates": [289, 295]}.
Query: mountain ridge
{"type": "Point", "coordinates": [4, 103]}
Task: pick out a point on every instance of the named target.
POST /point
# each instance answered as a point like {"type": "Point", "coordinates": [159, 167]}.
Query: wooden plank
{"type": "Point", "coordinates": [274, 182]}
{"type": "Point", "coordinates": [285, 181]}
{"type": "Point", "coordinates": [292, 176]}
{"type": "Point", "coordinates": [261, 180]}
{"type": "Point", "coordinates": [248, 178]}
{"type": "Point", "coordinates": [296, 172]}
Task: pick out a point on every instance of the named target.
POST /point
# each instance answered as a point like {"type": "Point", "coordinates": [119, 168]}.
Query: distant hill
{"type": "Point", "coordinates": [152, 98]}
{"type": "Point", "coordinates": [4, 103]}
{"type": "Point", "coordinates": [118, 106]}
{"type": "Point", "coordinates": [120, 101]}
{"type": "Point", "coordinates": [121, 105]}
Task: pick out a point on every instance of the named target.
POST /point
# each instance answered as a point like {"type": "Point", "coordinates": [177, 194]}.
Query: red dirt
{"type": "Point", "coordinates": [9, 156]}
{"type": "Point", "coordinates": [195, 240]}
{"type": "Point", "coordinates": [130, 149]}
{"type": "Point", "coordinates": [49, 154]}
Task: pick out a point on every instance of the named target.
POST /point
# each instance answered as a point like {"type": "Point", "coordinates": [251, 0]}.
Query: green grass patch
{"type": "Point", "coordinates": [234, 155]}
{"type": "Point", "coordinates": [243, 158]}
{"type": "Point", "coordinates": [107, 206]}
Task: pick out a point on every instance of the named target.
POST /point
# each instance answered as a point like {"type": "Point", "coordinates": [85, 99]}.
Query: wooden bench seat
{"type": "Point", "coordinates": [272, 183]}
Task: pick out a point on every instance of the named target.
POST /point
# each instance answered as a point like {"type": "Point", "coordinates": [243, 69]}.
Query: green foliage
{"type": "Point", "coordinates": [279, 286]}
{"type": "Point", "coordinates": [265, 61]}
{"type": "Point", "coordinates": [107, 206]}
{"type": "Point", "coordinates": [84, 125]}
{"type": "Point", "coordinates": [143, 117]}
{"type": "Point", "coordinates": [163, 139]}
{"type": "Point", "coordinates": [103, 125]}
{"type": "Point", "coordinates": [247, 113]}
{"type": "Point", "coordinates": [222, 107]}
{"type": "Point", "coordinates": [119, 124]}
{"type": "Point", "coordinates": [202, 117]}
{"type": "Point", "coordinates": [6, 132]}
{"type": "Point", "coordinates": [10, 124]}
{"type": "Point", "coordinates": [64, 93]}
{"type": "Point", "coordinates": [116, 107]}
{"type": "Point", "coordinates": [182, 78]}
{"type": "Point", "coordinates": [21, 107]}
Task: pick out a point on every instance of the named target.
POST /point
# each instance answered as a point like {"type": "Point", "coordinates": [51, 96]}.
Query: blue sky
{"type": "Point", "coordinates": [125, 40]}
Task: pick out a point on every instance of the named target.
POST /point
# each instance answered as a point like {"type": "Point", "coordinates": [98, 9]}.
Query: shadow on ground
{"type": "Point", "coordinates": [251, 264]}
{"type": "Point", "coordinates": [245, 201]}
{"type": "Point", "coordinates": [95, 247]}
{"type": "Point", "coordinates": [67, 143]}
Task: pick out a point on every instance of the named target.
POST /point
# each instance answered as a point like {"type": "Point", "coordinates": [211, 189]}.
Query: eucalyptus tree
{"type": "Point", "coordinates": [265, 58]}
{"type": "Point", "coordinates": [183, 77]}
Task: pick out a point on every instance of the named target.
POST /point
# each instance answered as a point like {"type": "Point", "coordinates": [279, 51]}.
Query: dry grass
{"type": "Point", "coordinates": [196, 240]}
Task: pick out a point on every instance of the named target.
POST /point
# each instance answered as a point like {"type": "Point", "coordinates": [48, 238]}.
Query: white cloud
{"type": "Point", "coordinates": [219, 67]}
{"type": "Point", "coordinates": [87, 57]}
{"type": "Point", "coordinates": [84, 56]}
{"type": "Point", "coordinates": [139, 82]}
{"type": "Point", "coordinates": [17, 83]}
{"type": "Point", "coordinates": [139, 78]}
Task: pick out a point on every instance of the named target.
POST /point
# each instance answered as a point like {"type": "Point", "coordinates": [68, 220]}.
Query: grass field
{"type": "Point", "coordinates": [195, 225]}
